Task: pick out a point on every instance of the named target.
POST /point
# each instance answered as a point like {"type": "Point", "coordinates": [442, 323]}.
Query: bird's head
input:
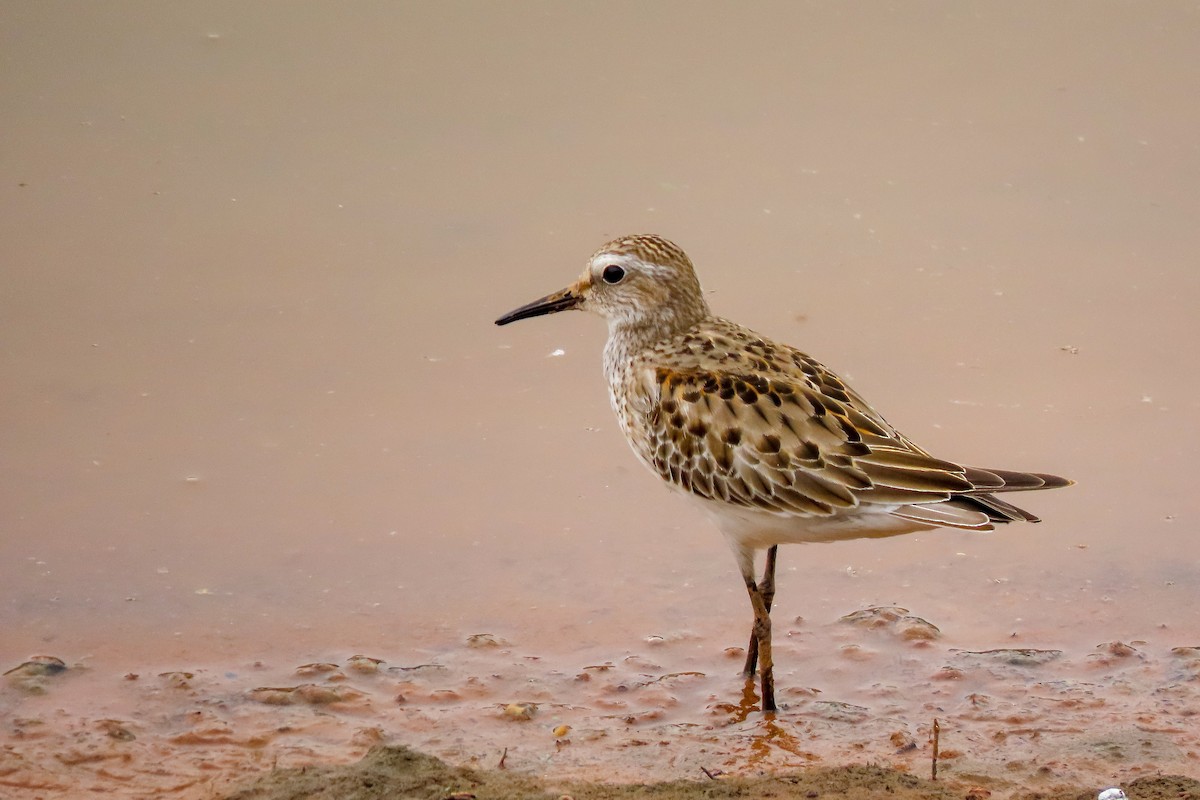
{"type": "Point", "coordinates": [641, 281]}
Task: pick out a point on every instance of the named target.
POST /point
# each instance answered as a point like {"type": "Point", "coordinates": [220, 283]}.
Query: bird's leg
{"type": "Point", "coordinates": [762, 635]}
{"type": "Point", "coordinates": [767, 589]}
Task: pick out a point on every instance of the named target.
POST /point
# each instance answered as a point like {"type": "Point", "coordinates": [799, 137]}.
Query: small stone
{"type": "Point", "coordinates": [1015, 656]}
{"type": "Point", "coordinates": [485, 640]}
{"type": "Point", "coordinates": [520, 711]}
{"type": "Point", "coordinates": [852, 652]}
{"type": "Point", "coordinates": [875, 617]}
{"type": "Point", "coordinates": [177, 679]}
{"type": "Point", "coordinates": [272, 695]}
{"type": "Point", "coordinates": [367, 737]}
{"type": "Point", "coordinates": [308, 693]}
{"type": "Point", "coordinates": [915, 629]}
{"type": "Point", "coordinates": [316, 695]}
{"type": "Point", "coordinates": [32, 676]}
{"type": "Point", "coordinates": [115, 729]}
{"type": "Point", "coordinates": [364, 665]}
{"type": "Point", "coordinates": [38, 666]}
{"type": "Point", "coordinates": [318, 668]}
{"type": "Point", "coordinates": [1117, 649]}
{"type": "Point", "coordinates": [840, 712]}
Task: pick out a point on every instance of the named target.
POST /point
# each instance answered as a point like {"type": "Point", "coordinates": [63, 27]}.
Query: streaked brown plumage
{"type": "Point", "coordinates": [772, 444]}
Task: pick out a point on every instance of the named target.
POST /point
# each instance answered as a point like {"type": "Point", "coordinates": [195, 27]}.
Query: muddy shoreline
{"type": "Point", "coordinates": [862, 692]}
{"type": "Point", "coordinates": [396, 771]}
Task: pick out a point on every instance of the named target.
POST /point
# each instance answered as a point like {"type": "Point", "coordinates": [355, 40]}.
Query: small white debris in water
{"type": "Point", "coordinates": [556, 353]}
{"type": "Point", "coordinates": [1112, 793]}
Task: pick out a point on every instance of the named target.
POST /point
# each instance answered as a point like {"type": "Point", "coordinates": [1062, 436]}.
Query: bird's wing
{"type": "Point", "coordinates": [794, 444]}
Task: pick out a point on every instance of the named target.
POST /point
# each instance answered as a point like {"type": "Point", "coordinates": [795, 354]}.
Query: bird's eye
{"type": "Point", "coordinates": [613, 274]}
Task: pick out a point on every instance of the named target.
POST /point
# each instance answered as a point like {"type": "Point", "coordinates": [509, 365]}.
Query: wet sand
{"type": "Point", "coordinates": [1012, 719]}
{"type": "Point", "coordinates": [387, 770]}
{"type": "Point", "coordinates": [256, 415]}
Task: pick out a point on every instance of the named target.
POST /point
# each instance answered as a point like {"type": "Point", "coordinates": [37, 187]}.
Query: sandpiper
{"type": "Point", "coordinates": [771, 444]}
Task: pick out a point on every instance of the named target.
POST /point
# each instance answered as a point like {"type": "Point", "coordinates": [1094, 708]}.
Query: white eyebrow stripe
{"type": "Point", "coordinates": [629, 261]}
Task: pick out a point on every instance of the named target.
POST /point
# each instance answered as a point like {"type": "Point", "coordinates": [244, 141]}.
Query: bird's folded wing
{"type": "Point", "coordinates": [787, 444]}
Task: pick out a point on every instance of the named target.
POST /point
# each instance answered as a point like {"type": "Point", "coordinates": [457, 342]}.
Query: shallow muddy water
{"type": "Point", "coordinates": [256, 414]}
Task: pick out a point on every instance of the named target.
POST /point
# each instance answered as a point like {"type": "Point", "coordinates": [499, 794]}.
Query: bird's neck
{"type": "Point", "coordinates": [629, 338]}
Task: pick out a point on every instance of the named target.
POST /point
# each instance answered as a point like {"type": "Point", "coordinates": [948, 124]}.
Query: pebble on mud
{"type": "Point", "coordinates": [115, 729]}
{"type": "Point", "coordinates": [840, 712]}
{"type": "Point", "coordinates": [875, 616]}
{"type": "Point", "coordinates": [1013, 657]}
{"type": "Point", "coordinates": [418, 668]}
{"type": "Point", "coordinates": [318, 668]}
{"type": "Point", "coordinates": [368, 737]}
{"type": "Point", "coordinates": [520, 711]}
{"type": "Point", "coordinates": [897, 621]}
{"type": "Point", "coordinates": [364, 665]}
{"type": "Point", "coordinates": [1187, 661]}
{"type": "Point", "coordinates": [304, 694]}
{"type": "Point", "coordinates": [915, 629]}
{"type": "Point", "coordinates": [177, 679]}
{"type": "Point", "coordinates": [30, 677]}
{"type": "Point", "coordinates": [948, 674]}
{"type": "Point", "coordinates": [39, 665]}
{"type": "Point", "coordinates": [485, 640]}
{"type": "Point", "coordinates": [1112, 652]}
{"type": "Point", "coordinates": [854, 652]}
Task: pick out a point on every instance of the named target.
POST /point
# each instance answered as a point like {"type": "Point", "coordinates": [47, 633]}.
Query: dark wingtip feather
{"type": "Point", "coordinates": [1054, 481]}
{"type": "Point", "coordinates": [1016, 481]}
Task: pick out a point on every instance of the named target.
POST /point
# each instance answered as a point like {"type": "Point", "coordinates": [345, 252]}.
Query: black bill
{"type": "Point", "coordinates": [550, 304]}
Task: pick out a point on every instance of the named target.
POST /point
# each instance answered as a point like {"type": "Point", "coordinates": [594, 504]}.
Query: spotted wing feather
{"type": "Point", "coordinates": [775, 430]}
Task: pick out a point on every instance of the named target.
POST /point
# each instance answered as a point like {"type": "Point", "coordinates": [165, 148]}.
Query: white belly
{"type": "Point", "coordinates": [748, 528]}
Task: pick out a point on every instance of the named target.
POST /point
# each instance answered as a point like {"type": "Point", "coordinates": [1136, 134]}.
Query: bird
{"type": "Point", "coordinates": [771, 444]}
